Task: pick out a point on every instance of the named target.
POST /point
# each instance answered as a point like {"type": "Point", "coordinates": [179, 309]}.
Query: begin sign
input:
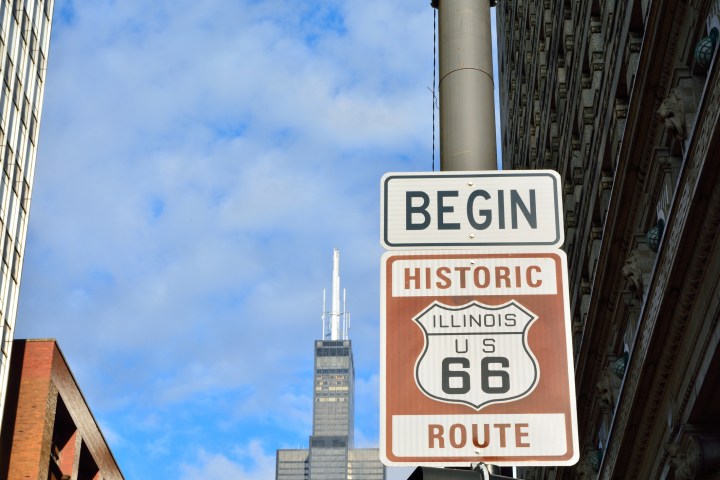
{"type": "Point", "coordinates": [471, 209]}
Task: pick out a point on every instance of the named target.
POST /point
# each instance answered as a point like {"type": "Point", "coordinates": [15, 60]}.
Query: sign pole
{"type": "Point", "coordinates": [467, 99]}
{"type": "Point", "coordinates": [476, 348]}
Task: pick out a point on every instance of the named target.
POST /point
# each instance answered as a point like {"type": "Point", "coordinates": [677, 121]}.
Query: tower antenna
{"type": "Point", "coordinates": [345, 316]}
{"type": "Point", "coordinates": [335, 313]}
{"type": "Point", "coordinates": [323, 316]}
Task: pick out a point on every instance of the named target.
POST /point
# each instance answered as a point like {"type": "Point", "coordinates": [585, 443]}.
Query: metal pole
{"type": "Point", "coordinates": [467, 99]}
{"type": "Point", "coordinates": [467, 107]}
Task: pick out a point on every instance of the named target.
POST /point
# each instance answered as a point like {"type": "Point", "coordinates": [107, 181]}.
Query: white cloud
{"type": "Point", "coordinates": [142, 212]}
{"type": "Point", "coordinates": [367, 407]}
{"type": "Point", "coordinates": [198, 162]}
{"type": "Point", "coordinates": [250, 462]}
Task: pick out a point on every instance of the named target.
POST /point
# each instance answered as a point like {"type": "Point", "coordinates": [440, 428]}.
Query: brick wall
{"type": "Point", "coordinates": [48, 428]}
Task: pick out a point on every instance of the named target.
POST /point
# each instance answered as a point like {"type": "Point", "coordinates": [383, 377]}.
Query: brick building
{"type": "Point", "coordinates": [48, 430]}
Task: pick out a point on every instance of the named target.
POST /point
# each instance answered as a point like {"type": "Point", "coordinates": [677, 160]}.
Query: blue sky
{"type": "Point", "coordinates": [198, 163]}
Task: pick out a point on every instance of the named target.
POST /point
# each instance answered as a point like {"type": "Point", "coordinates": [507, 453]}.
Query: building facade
{"type": "Point", "coordinates": [48, 430]}
{"type": "Point", "coordinates": [331, 454]}
{"type": "Point", "coordinates": [24, 43]}
{"type": "Point", "coordinates": [622, 98]}
{"type": "Point", "coordinates": [333, 412]}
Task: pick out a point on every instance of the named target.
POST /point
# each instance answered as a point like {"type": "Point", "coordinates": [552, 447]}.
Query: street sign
{"type": "Point", "coordinates": [476, 359]}
{"type": "Point", "coordinates": [471, 209]}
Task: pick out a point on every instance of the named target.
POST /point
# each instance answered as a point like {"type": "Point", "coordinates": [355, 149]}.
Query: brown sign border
{"type": "Point", "coordinates": [548, 338]}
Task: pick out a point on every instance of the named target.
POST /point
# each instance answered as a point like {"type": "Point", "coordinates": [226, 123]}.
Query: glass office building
{"type": "Point", "coordinates": [24, 43]}
{"type": "Point", "coordinates": [331, 455]}
{"type": "Point", "coordinates": [334, 387]}
{"type": "Point", "coordinates": [332, 409]}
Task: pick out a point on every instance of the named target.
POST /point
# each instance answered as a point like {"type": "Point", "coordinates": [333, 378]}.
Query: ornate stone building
{"type": "Point", "coordinates": [622, 97]}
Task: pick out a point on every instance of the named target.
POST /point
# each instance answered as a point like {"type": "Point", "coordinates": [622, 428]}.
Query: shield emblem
{"type": "Point", "coordinates": [476, 354]}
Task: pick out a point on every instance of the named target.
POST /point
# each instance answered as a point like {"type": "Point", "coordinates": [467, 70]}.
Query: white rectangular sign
{"type": "Point", "coordinates": [471, 209]}
{"type": "Point", "coordinates": [438, 277]}
{"type": "Point", "coordinates": [500, 435]}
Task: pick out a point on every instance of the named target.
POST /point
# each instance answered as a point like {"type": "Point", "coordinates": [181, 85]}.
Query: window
{"type": "Point", "coordinates": [16, 264]}
{"type": "Point", "coordinates": [5, 339]}
{"type": "Point", "coordinates": [6, 249]}
{"type": "Point", "coordinates": [7, 77]}
{"type": "Point", "coordinates": [8, 159]}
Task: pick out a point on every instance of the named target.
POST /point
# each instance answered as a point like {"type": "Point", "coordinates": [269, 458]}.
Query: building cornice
{"type": "Point", "coordinates": [682, 262]}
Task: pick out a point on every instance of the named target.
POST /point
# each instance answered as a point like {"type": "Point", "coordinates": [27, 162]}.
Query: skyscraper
{"type": "Point", "coordinates": [331, 455]}
{"type": "Point", "coordinates": [622, 99]}
{"type": "Point", "coordinates": [24, 43]}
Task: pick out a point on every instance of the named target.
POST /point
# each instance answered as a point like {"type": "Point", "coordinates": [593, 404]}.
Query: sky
{"type": "Point", "coordinates": [198, 163]}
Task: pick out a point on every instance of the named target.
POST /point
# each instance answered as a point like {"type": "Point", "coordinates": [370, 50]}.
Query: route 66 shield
{"type": "Point", "coordinates": [476, 354]}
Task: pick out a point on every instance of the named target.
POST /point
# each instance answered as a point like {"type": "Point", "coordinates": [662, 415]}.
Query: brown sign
{"type": "Point", "coordinates": [476, 359]}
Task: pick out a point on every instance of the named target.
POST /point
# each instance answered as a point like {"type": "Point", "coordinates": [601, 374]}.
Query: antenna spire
{"type": "Point", "coordinates": [335, 312]}
{"type": "Point", "coordinates": [337, 325]}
